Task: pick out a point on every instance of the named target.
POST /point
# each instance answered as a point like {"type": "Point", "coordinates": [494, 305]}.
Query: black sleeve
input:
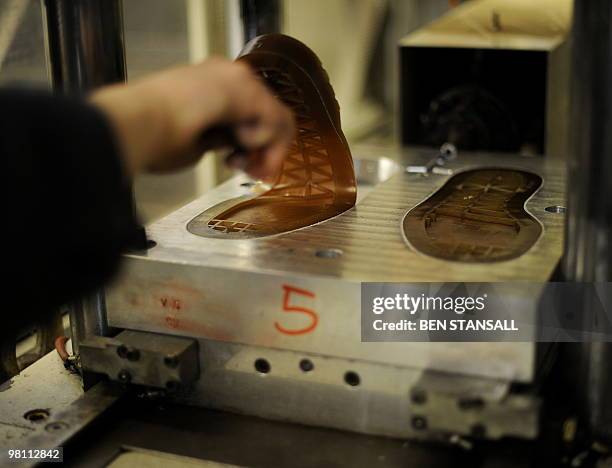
{"type": "Point", "coordinates": [68, 210]}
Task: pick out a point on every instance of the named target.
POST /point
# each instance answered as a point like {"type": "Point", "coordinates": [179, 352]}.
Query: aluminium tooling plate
{"type": "Point", "coordinates": [300, 290]}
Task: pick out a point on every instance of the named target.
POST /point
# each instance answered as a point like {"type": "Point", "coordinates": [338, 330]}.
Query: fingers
{"type": "Point", "coordinates": [273, 157]}
{"type": "Point", "coordinates": [257, 128]}
{"type": "Point", "coordinates": [267, 142]}
{"type": "Point", "coordinates": [265, 127]}
{"type": "Point", "coordinates": [220, 136]}
{"type": "Point", "coordinates": [167, 121]}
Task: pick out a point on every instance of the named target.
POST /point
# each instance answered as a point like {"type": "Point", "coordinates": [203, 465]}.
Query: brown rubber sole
{"type": "Point", "coordinates": [317, 179]}
{"type": "Point", "coordinates": [477, 216]}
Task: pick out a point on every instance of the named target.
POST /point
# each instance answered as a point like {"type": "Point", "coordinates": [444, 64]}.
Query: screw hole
{"type": "Point", "coordinates": [56, 426]}
{"type": "Point", "coordinates": [247, 184]}
{"type": "Point", "coordinates": [556, 209]}
{"type": "Point", "coordinates": [36, 415]}
{"type": "Point", "coordinates": [352, 378]}
{"type": "Point", "coordinates": [418, 396]}
{"type": "Point", "coordinates": [329, 253]}
{"type": "Point", "coordinates": [172, 386]}
{"type": "Point", "coordinates": [306, 365]}
{"type": "Point", "coordinates": [133, 355]}
{"type": "Point", "coordinates": [122, 351]}
{"type": "Point", "coordinates": [262, 366]}
{"type": "Point", "coordinates": [151, 243]}
{"type": "Point", "coordinates": [448, 151]}
{"type": "Point", "coordinates": [171, 361]}
{"type": "Point", "coordinates": [419, 423]}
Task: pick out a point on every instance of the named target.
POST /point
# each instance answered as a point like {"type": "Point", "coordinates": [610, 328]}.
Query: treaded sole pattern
{"type": "Point", "coordinates": [477, 216]}
{"type": "Point", "coordinates": [317, 178]}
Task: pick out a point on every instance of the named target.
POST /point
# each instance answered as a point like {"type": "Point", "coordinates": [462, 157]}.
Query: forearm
{"type": "Point", "coordinates": [140, 124]}
{"type": "Point", "coordinates": [67, 203]}
{"type": "Point", "coordinates": [159, 119]}
{"type": "Point", "coordinates": [68, 163]}
{"type": "Point", "coordinates": [162, 121]}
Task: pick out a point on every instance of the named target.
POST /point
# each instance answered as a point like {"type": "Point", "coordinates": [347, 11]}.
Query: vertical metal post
{"type": "Point", "coordinates": [85, 43]}
{"type": "Point", "coordinates": [85, 50]}
{"type": "Point", "coordinates": [260, 17]}
{"type": "Point", "coordinates": [588, 253]}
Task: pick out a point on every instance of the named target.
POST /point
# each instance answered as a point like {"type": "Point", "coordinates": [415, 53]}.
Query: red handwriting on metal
{"type": "Point", "coordinates": [174, 305]}
{"type": "Point", "coordinates": [288, 291]}
{"type": "Point", "coordinates": [172, 322]}
{"type": "Point", "coordinates": [171, 303]}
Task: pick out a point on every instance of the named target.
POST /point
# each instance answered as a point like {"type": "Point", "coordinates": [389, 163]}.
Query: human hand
{"type": "Point", "coordinates": [168, 120]}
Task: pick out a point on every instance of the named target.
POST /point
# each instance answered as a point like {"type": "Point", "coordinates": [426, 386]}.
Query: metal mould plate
{"type": "Point", "coordinates": [300, 290]}
{"type": "Point", "coordinates": [368, 235]}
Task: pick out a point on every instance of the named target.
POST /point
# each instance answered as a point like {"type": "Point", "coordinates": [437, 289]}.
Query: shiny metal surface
{"type": "Point", "coordinates": [213, 435]}
{"type": "Point", "coordinates": [260, 17]}
{"type": "Point", "coordinates": [87, 317]}
{"type": "Point", "coordinates": [44, 406]}
{"type": "Point", "coordinates": [373, 171]}
{"type": "Point", "coordinates": [142, 358]}
{"type": "Point", "coordinates": [222, 284]}
{"type": "Point", "coordinates": [388, 400]}
{"type": "Point", "coordinates": [85, 50]}
{"type": "Point", "coordinates": [84, 43]}
{"type": "Point", "coordinates": [61, 426]}
{"type": "Point", "coordinates": [368, 235]}
{"type": "Point", "coordinates": [588, 255]}
{"type": "Point", "coordinates": [237, 296]}
{"type": "Point", "coordinates": [47, 385]}
{"type": "Point", "coordinates": [588, 249]}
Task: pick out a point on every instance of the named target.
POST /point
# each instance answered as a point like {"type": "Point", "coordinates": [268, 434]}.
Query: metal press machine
{"type": "Point", "coordinates": [270, 327]}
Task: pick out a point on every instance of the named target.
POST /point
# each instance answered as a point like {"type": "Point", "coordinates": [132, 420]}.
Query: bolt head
{"type": "Point", "coordinates": [133, 355]}
{"type": "Point", "coordinates": [124, 376]}
{"type": "Point", "coordinates": [172, 385]}
{"type": "Point", "coordinates": [171, 361]}
{"type": "Point", "coordinates": [419, 423]}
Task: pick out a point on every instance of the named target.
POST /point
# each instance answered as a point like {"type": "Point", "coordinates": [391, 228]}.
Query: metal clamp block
{"type": "Point", "coordinates": [143, 358]}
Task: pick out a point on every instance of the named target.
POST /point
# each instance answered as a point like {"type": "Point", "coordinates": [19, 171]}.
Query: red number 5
{"type": "Point", "coordinates": [314, 319]}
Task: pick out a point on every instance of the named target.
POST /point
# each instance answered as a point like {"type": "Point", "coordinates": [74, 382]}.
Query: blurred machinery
{"type": "Point", "coordinates": [489, 76]}
{"type": "Point", "coordinates": [269, 327]}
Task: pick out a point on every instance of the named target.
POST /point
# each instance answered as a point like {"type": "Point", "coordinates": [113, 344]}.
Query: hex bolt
{"type": "Point", "coordinates": [171, 361]}
{"type": "Point", "coordinates": [419, 423]}
{"type": "Point", "coordinates": [124, 376]}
